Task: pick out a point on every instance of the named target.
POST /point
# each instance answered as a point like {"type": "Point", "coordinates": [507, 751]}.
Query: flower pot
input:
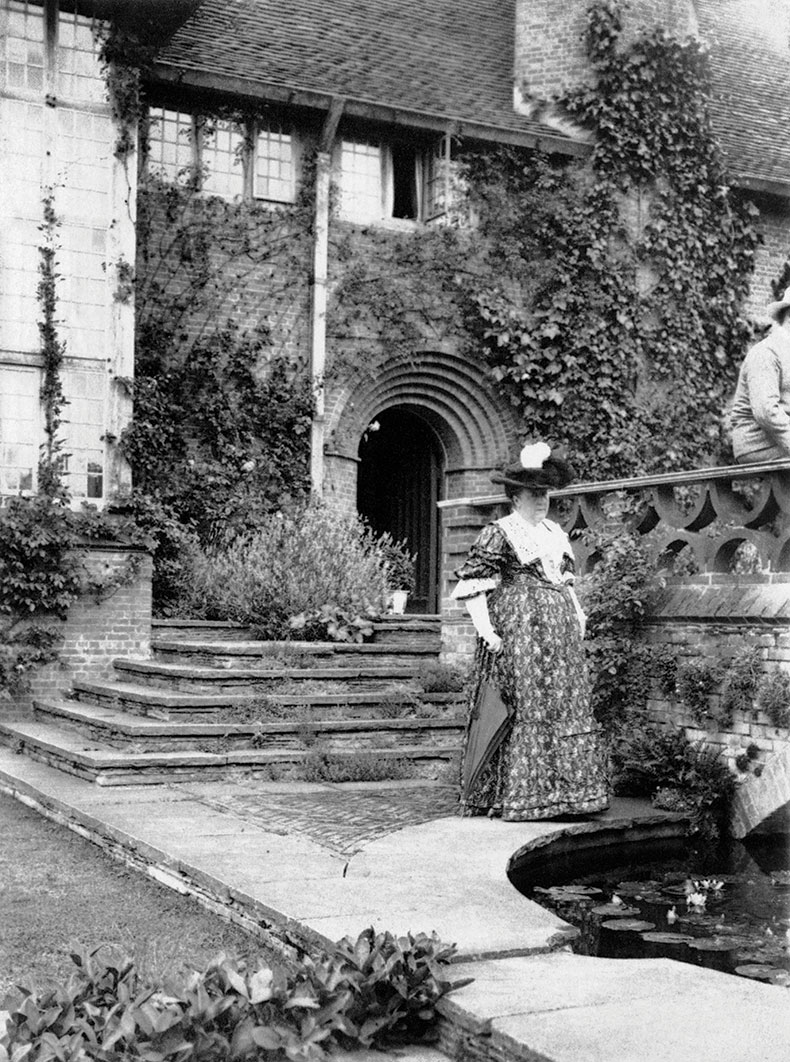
{"type": "Point", "coordinates": [399, 599]}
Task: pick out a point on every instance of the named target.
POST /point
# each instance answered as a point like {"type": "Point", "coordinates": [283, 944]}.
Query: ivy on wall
{"type": "Point", "coordinates": [602, 296]}
{"type": "Point", "coordinates": [629, 345]}
{"type": "Point", "coordinates": [53, 350]}
{"type": "Point", "coordinates": [221, 426]}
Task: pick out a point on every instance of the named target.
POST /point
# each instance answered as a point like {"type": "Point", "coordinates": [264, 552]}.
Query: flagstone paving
{"type": "Point", "coordinates": [336, 817]}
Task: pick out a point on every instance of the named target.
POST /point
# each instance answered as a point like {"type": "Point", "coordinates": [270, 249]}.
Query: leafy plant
{"type": "Point", "coordinates": [773, 697]}
{"type": "Point", "coordinates": [372, 991]}
{"type": "Point", "coordinates": [616, 596]}
{"type": "Point", "coordinates": [740, 684]}
{"type": "Point", "coordinates": [295, 563]}
{"type": "Point", "coordinates": [330, 623]}
{"type": "Point", "coordinates": [398, 563]}
{"type": "Point", "coordinates": [436, 677]}
{"type": "Point", "coordinates": [696, 683]}
{"type": "Point", "coordinates": [648, 760]}
{"type": "Point", "coordinates": [323, 766]}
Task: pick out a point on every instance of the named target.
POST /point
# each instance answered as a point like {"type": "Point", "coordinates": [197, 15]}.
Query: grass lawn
{"type": "Point", "coordinates": [58, 890]}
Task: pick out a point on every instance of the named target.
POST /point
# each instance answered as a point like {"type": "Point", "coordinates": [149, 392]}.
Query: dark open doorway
{"type": "Point", "coordinates": [399, 484]}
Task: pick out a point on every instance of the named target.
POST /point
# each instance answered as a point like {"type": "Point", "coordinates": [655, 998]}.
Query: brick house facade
{"type": "Point", "coordinates": [382, 92]}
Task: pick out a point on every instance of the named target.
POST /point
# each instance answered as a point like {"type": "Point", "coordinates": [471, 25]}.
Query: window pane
{"type": "Point", "coordinates": [19, 428]}
{"type": "Point", "coordinates": [83, 426]}
{"type": "Point", "coordinates": [274, 166]}
{"type": "Point", "coordinates": [221, 159]}
{"type": "Point", "coordinates": [436, 180]}
{"type": "Point", "coordinates": [79, 71]}
{"type": "Point", "coordinates": [22, 46]}
{"type": "Point", "coordinates": [170, 145]}
{"type": "Point", "coordinates": [360, 181]}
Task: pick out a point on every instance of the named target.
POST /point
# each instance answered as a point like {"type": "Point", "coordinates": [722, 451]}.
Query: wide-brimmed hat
{"type": "Point", "coordinates": [538, 468]}
{"type": "Point", "coordinates": [775, 308]}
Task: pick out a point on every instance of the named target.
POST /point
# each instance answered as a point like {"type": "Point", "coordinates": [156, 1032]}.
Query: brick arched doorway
{"type": "Point", "coordinates": [399, 482]}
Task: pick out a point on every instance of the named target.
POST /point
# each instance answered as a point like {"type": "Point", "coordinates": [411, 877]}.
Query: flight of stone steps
{"type": "Point", "coordinates": [212, 704]}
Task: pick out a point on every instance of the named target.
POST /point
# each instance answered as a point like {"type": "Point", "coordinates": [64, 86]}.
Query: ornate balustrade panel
{"type": "Point", "coordinates": [734, 519]}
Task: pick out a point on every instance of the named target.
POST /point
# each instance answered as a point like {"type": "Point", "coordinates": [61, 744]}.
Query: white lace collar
{"type": "Point", "coordinates": [546, 542]}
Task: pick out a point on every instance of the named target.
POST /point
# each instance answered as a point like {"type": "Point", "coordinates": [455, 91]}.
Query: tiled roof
{"type": "Point", "coordinates": [453, 59]}
{"type": "Point", "coordinates": [750, 69]}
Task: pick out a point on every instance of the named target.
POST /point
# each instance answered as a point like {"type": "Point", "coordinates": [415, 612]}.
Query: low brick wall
{"type": "Point", "coordinates": [710, 619]}
{"type": "Point", "coordinates": [100, 626]}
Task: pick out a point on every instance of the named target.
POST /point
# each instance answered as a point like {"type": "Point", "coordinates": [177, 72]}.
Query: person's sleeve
{"type": "Point", "coordinates": [480, 571]}
{"type": "Point", "coordinates": [765, 397]}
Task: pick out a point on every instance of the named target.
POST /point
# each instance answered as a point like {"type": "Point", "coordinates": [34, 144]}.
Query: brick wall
{"type": "Point", "coordinates": [550, 55]}
{"type": "Point", "coordinates": [96, 632]}
{"type": "Point", "coordinates": [709, 642]}
{"type": "Point", "coordinates": [774, 223]}
{"type": "Point", "coordinates": [340, 482]}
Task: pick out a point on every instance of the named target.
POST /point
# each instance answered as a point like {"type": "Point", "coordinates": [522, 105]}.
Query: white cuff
{"type": "Point", "coordinates": [472, 587]}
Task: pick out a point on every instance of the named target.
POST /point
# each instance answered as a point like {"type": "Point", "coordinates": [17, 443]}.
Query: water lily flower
{"type": "Point", "coordinates": [696, 899]}
{"type": "Point", "coordinates": [672, 915]}
{"type": "Point", "coordinates": [616, 900]}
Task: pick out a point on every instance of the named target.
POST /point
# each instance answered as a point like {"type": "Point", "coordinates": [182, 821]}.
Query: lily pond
{"type": "Point", "coordinates": [728, 910]}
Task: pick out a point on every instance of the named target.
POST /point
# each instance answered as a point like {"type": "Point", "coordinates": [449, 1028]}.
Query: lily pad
{"type": "Point", "coordinates": [711, 944]}
{"type": "Point", "coordinates": [615, 910]}
{"type": "Point", "coordinates": [570, 892]}
{"type": "Point", "coordinates": [656, 937]}
{"type": "Point", "coordinates": [628, 925]}
{"type": "Point", "coordinates": [636, 888]}
{"type": "Point", "coordinates": [757, 971]}
{"type": "Point", "coordinates": [675, 890]}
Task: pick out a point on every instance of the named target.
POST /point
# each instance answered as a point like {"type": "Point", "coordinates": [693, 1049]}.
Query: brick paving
{"type": "Point", "coordinates": [341, 819]}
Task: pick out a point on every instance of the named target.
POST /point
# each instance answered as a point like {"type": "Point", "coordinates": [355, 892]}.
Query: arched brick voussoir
{"type": "Point", "coordinates": [759, 797]}
{"type": "Point", "coordinates": [475, 427]}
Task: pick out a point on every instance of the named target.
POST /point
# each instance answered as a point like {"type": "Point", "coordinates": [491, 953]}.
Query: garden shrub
{"type": "Point", "coordinates": [323, 766]}
{"type": "Point", "coordinates": [372, 991]}
{"type": "Point", "coordinates": [740, 684]}
{"type": "Point", "coordinates": [773, 697]}
{"type": "Point", "coordinates": [295, 563]}
{"type": "Point", "coordinates": [615, 596]}
{"type": "Point", "coordinates": [678, 774]}
{"type": "Point", "coordinates": [436, 677]}
{"type": "Point", "coordinates": [696, 682]}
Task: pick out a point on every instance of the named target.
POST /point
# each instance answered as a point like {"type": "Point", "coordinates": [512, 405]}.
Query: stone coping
{"type": "Point", "coordinates": [664, 479]}
{"type": "Point", "coordinates": [530, 999]}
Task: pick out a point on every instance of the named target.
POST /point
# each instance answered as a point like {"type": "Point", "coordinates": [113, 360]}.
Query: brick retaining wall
{"type": "Point", "coordinates": [96, 632]}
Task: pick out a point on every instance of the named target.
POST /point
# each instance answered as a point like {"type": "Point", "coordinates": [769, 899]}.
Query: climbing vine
{"type": "Point", "coordinates": [588, 289]}
{"type": "Point", "coordinates": [52, 350]}
{"type": "Point", "coordinates": [645, 259]}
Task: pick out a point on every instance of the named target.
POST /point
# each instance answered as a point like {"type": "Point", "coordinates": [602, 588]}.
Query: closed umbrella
{"type": "Point", "coordinates": [489, 724]}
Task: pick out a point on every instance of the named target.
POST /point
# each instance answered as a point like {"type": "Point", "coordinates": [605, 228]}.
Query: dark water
{"type": "Point", "coordinates": [727, 909]}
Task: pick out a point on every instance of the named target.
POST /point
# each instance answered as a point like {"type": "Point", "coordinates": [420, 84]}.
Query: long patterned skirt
{"type": "Point", "coordinates": [551, 763]}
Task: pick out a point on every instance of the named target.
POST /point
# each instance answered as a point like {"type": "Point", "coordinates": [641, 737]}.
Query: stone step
{"type": "Point", "coordinates": [386, 629]}
{"type": "Point", "coordinates": [169, 705]}
{"type": "Point", "coordinates": [98, 762]}
{"type": "Point", "coordinates": [120, 730]}
{"type": "Point", "coordinates": [263, 680]}
{"type": "Point", "coordinates": [240, 654]}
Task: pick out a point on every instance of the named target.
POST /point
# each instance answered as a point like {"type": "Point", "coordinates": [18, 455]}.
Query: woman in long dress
{"type": "Point", "coordinates": [517, 587]}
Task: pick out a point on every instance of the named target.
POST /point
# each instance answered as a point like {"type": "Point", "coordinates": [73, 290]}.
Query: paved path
{"type": "Point", "coordinates": [318, 862]}
{"type": "Point", "coordinates": [341, 818]}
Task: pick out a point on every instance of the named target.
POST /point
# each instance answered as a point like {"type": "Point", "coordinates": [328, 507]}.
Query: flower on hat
{"type": "Point", "coordinates": [533, 455]}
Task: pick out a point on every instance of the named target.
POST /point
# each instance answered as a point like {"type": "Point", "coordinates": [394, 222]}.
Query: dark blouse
{"type": "Point", "coordinates": [492, 557]}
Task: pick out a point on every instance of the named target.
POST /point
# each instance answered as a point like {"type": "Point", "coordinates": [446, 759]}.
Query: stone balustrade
{"type": "Point", "coordinates": [733, 519]}
{"type": "Point", "coordinates": [711, 521]}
